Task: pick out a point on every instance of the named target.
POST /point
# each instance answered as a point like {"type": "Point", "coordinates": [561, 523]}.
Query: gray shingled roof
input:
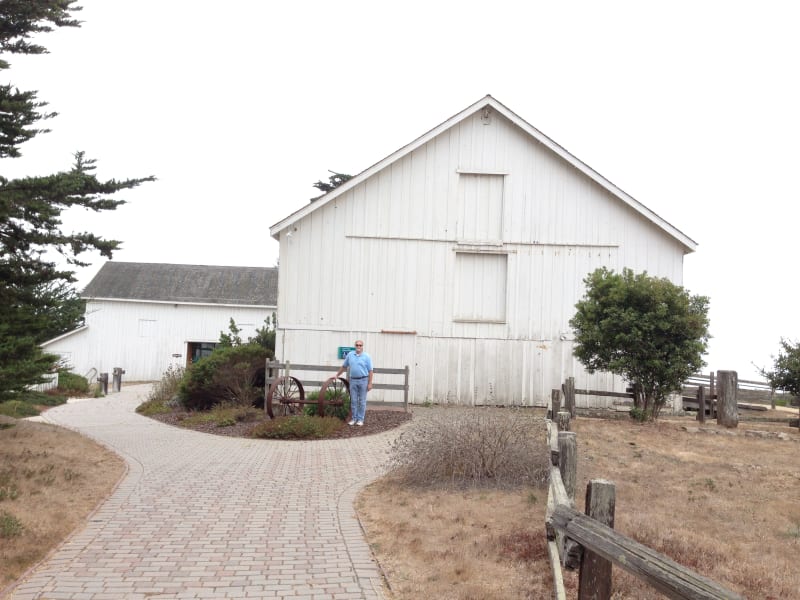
{"type": "Point", "coordinates": [185, 283]}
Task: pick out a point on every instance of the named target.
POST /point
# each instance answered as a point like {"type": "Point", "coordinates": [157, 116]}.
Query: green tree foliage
{"type": "Point", "coordinates": [61, 309]}
{"type": "Point", "coordinates": [232, 338]}
{"type": "Point", "coordinates": [785, 373]}
{"type": "Point", "coordinates": [264, 337]}
{"type": "Point", "coordinates": [646, 329]}
{"type": "Point", "coordinates": [30, 209]}
{"type": "Point", "coordinates": [334, 181]}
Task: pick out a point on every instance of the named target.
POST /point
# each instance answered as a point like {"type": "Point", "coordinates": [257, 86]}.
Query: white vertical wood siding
{"type": "Point", "coordinates": [141, 337]}
{"type": "Point", "coordinates": [390, 255]}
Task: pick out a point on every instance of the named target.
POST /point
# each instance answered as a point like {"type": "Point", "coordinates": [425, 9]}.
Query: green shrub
{"type": "Point", "coordinates": [153, 407]}
{"type": "Point", "coordinates": [340, 412]}
{"type": "Point", "coordinates": [49, 398]}
{"type": "Point", "coordinates": [223, 415]}
{"type": "Point", "coordinates": [297, 427]}
{"type": "Point", "coordinates": [72, 384]}
{"type": "Point", "coordinates": [10, 526]}
{"type": "Point", "coordinates": [18, 409]}
{"type": "Point", "coordinates": [640, 415]}
{"type": "Point", "coordinates": [232, 374]}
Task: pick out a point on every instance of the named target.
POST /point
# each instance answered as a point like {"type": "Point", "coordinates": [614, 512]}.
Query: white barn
{"type": "Point", "coordinates": [144, 317]}
{"type": "Point", "coordinates": [462, 255]}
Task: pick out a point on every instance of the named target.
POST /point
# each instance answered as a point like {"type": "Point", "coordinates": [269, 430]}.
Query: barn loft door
{"type": "Point", "coordinates": [481, 287]}
{"type": "Point", "coordinates": [480, 214]}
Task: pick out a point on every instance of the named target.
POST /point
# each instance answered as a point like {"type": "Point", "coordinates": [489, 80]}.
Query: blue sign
{"type": "Point", "coordinates": [345, 350]}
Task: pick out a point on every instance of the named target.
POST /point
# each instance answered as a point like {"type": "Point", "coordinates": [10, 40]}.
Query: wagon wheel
{"type": "Point", "coordinates": [285, 397]}
{"type": "Point", "coordinates": [333, 393]}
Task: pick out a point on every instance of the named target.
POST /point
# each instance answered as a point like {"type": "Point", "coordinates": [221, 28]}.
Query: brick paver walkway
{"type": "Point", "coordinates": [205, 516]}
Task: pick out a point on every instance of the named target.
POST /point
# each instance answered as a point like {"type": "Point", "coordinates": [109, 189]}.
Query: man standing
{"type": "Point", "coordinates": [360, 381]}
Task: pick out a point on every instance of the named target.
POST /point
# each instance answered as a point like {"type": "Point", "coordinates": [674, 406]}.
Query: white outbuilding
{"type": "Point", "coordinates": [462, 255]}
{"type": "Point", "coordinates": [144, 317]}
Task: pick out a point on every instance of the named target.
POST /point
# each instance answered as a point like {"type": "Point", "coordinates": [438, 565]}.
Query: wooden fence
{"type": "Point", "coordinates": [588, 541]}
{"type": "Point", "coordinates": [704, 400]}
{"type": "Point", "coordinates": [274, 369]}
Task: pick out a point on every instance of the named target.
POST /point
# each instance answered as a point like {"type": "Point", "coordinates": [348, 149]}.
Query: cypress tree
{"type": "Point", "coordinates": [32, 289]}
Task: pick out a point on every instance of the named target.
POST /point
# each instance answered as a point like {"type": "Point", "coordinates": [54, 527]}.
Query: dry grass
{"type": "Point", "coordinates": [51, 479]}
{"type": "Point", "coordinates": [724, 505]}
{"type": "Point", "coordinates": [467, 545]}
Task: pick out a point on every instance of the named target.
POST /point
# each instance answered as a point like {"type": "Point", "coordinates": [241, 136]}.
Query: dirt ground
{"type": "Point", "coordinates": [725, 503]}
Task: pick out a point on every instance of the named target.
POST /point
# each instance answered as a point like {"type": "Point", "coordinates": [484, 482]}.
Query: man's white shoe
{"type": "Point", "coordinates": [351, 422]}
{"type": "Point", "coordinates": [360, 423]}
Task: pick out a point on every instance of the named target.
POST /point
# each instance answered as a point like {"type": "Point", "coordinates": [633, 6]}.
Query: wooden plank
{"type": "Point", "coordinates": [560, 496]}
{"type": "Point", "coordinates": [559, 591]}
{"type": "Point", "coordinates": [387, 371]}
{"type": "Point", "coordinates": [552, 440]}
{"type": "Point", "coordinates": [302, 367]}
{"type": "Point", "coordinates": [310, 383]}
{"type": "Point", "coordinates": [749, 406]}
{"type": "Point", "coordinates": [601, 393]}
{"type": "Point", "coordinates": [556, 495]}
{"type": "Point", "coordinates": [662, 573]}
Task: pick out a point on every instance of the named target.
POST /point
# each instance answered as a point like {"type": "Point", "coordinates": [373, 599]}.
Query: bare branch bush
{"type": "Point", "coordinates": [166, 390]}
{"type": "Point", "coordinates": [472, 447]}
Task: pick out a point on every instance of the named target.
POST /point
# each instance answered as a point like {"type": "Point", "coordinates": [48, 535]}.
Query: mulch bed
{"type": "Point", "coordinates": [376, 421]}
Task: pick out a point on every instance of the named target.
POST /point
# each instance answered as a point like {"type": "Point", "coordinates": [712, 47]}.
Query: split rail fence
{"type": "Point", "coordinates": [588, 541]}
{"type": "Point", "coordinates": [707, 398]}
{"type": "Point", "coordinates": [274, 369]}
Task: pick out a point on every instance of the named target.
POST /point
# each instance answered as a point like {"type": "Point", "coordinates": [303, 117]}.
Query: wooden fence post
{"type": "Point", "coordinates": [727, 412]}
{"type": "Point", "coordinates": [568, 460]}
{"type": "Point", "coordinates": [405, 389]}
{"type": "Point", "coordinates": [562, 418]}
{"type": "Point", "coordinates": [555, 403]}
{"type": "Point", "coordinates": [594, 580]}
{"type": "Point", "coordinates": [569, 395]}
{"type": "Point", "coordinates": [701, 404]}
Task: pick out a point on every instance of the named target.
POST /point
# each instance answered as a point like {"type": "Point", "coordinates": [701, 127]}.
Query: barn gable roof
{"type": "Point", "coordinates": [186, 284]}
{"type": "Point", "coordinates": [688, 244]}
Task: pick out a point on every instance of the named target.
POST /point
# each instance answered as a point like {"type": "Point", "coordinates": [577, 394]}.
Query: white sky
{"type": "Point", "coordinates": [239, 106]}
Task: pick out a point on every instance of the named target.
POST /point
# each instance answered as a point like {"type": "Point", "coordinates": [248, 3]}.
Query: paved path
{"type": "Point", "coordinates": [205, 516]}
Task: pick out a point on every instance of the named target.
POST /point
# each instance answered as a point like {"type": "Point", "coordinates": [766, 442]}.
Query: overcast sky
{"type": "Point", "coordinates": [239, 107]}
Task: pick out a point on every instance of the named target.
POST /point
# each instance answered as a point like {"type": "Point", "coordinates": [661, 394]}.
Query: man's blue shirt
{"type": "Point", "coordinates": [360, 365]}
